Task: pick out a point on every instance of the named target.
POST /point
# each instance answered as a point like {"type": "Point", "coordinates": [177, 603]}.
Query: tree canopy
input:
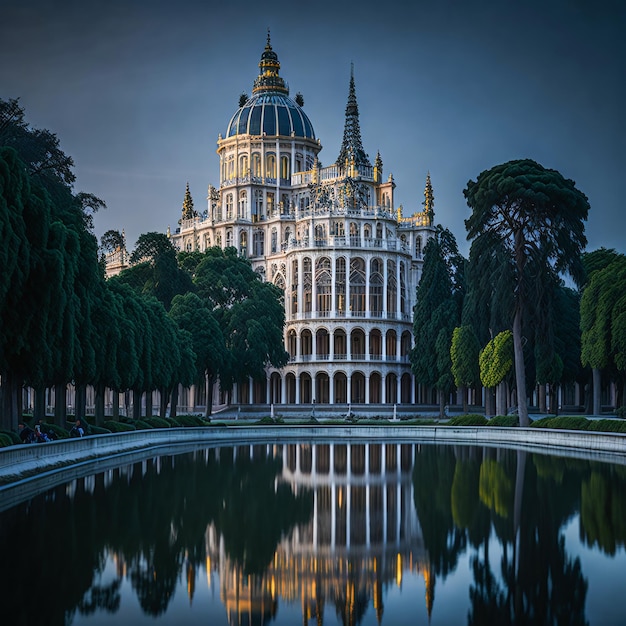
{"type": "Point", "coordinates": [536, 216]}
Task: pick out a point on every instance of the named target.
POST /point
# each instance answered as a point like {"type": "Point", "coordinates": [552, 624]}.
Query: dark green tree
{"type": "Point", "coordinates": [193, 315]}
{"type": "Point", "coordinates": [155, 270]}
{"type": "Point", "coordinates": [249, 312]}
{"type": "Point", "coordinates": [464, 352]}
{"type": "Point", "coordinates": [435, 316]}
{"type": "Point", "coordinates": [112, 240]}
{"type": "Point", "coordinates": [603, 323]}
{"type": "Point", "coordinates": [534, 213]}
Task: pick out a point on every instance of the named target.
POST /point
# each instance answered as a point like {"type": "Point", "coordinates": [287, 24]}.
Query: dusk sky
{"type": "Point", "coordinates": [138, 92]}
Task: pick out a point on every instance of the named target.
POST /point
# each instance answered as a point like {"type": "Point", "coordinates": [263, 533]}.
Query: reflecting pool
{"type": "Point", "coordinates": [328, 533]}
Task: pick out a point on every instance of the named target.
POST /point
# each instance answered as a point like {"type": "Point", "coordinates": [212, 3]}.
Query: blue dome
{"type": "Point", "coordinates": [270, 113]}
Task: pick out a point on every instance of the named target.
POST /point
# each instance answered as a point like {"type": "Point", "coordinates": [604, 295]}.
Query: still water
{"type": "Point", "coordinates": [361, 533]}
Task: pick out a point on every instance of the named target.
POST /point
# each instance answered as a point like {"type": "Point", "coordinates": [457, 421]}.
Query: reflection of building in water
{"type": "Point", "coordinates": [363, 537]}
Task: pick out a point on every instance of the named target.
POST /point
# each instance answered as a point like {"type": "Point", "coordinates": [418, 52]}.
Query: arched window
{"type": "Point", "coordinates": [376, 287]}
{"type": "Point", "coordinates": [357, 286]}
{"type": "Point", "coordinates": [229, 238]}
{"type": "Point", "coordinates": [291, 343]}
{"type": "Point", "coordinates": [270, 165]}
{"type": "Point", "coordinates": [284, 167]}
{"type": "Point", "coordinates": [323, 286]}
{"type": "Point", "coordinates": [367, 231]}
{"type": "Point", "coordinates": [355, 238]}
{"type": "Point", "coordinates": [229, 206]}
{"type": "Point", "coordinates": [243, 204]}
{"type": "Point", "coordinates": [307, 284]}
{"type": "Point", "coordinates": [258, 243]}
{"type": "Point", "coordinates": [244, 170]}
{"type": "Point", "coordinates": [279, 281]}
{"type": "Point", "coordinates": [243, 243]}
{"type": "Point", "coordinates": [320, 234]}
{"type": "Point", "coordinates": [218, 240]}
{"type": "Point", "coordinates": [392, 287]}
{"type": "Point", "coordinates": [258, 203]}
{"type": "Point", "coordinates": [338, 228]}
{"type": "Point", "coordinates": [294, 287]}
{"type": "Point", "coordinates": [256, 164]}
{"type": "Point", "coordinates": [403, 306]}
{"type": "Point", "coordinates": [340, 286]}
{"type": "Point", "coordinates": [379, 231]}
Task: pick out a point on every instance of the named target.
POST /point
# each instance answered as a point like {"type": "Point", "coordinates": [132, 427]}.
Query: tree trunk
{"type": "Point", "coordinates": [501, 399]}
{"type": "Point", "coordinates": [464, 392]}
{"type": "Point", "coordinates": [116, 405]}
{"type": "Point", "coordinates": [597, 391]}
{"type": "Point", "coordinates": [60, 405]}
{"type": "Point", "coordinates": [489, 402]}
{"type": "Point", "coordinates": [10, 416]}
{"type": "Point", "coordinates": [99, 404]}
{"type": "Point", "coordinates": [542, 399]}
{"type": "Point", "coordinates": [520, 370]}
{"type": "Point", "coordinates": [164, 395]}
{"type": "Point", "coordinates": [209, 396]}
{"type": "Point", "coordinates": [81, 401]}
{"type": "Point", "coordinates": [174, 402]}
{"type": "Point", "coordinates": [137, 404]}
{"type": "Point", "coordinates": [148, 403]}
{"type": "Point", "coordinates": [441, 399]}
{"type": "Point", "coordinates": [39, 408]}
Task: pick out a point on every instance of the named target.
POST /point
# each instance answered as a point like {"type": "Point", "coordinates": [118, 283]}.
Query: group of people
{"type": "Point", "coordinates": [42, 433]}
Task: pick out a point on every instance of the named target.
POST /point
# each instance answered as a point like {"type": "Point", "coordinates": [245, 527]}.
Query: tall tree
{"type": "Point", "coordinates": [534, 213]}
{"type": "Point", "coordinates": [464, 352]}
{"type": "Point", "coordinates": [603, 323]}
{"type": "Point", "coordinates": [250, 313]}
{"type": "Point", "coordinates": [193, 315]}
{"type": "Point", "coordinates": [435, 316]}
{"type": "Point", "coordinates": [155, 271]}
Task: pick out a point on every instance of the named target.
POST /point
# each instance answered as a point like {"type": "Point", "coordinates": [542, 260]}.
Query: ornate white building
{"type": "Point", "coordinates": [330, 237]}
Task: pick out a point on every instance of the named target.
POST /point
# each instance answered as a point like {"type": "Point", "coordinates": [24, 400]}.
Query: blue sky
{"type": "Point", "coordinates": [138, 91]}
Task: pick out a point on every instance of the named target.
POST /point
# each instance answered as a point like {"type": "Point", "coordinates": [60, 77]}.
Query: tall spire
{"type": "Point", "coordinates": [188, 210]}
{"type": "Point", "coordinates": [269, 66]}
{"type": "Point", "coordinates": [429, 198]}
{"type": "Point", "coordinates": [352, 146]}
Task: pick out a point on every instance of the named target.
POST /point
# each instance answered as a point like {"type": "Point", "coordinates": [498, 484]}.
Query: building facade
{"type": "Point", "coordinates": [346, 258]}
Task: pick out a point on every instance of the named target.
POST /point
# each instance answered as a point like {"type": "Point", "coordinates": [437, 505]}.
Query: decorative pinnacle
{"type": "Point", "coordinates": [269, 66]}
{"type": "Point", "coordinates": [429, 197]}
{"type": "Point", "coordinates": [352, 145]}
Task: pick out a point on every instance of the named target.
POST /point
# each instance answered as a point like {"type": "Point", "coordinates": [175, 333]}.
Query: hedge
{"type": "Point", "coordinates": [470, 419]}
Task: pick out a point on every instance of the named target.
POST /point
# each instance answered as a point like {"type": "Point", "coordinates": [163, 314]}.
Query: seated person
{"type": "Point", "coordinates": [40, 436]}
{"type": "Point", "coordinates": [78, 430]}
{"type": "Point", "coordinates": [27, 434]}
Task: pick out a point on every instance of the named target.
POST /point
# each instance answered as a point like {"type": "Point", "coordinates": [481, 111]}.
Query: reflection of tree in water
{"type": "Point", "coordinates": [103, 597]}
{"type": "Point", "coordinates": [47, 561]}
{"type": "Point", "coordinates": [153, 518]}
{"type": "Point", "coordinates": [433, 475]}
{"type": "Point", "coordinates": [539, 584]}
{"type": "Point", "coordinates": [603, 508]}
{"type": "Point", "coordinates": [253, 513]}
